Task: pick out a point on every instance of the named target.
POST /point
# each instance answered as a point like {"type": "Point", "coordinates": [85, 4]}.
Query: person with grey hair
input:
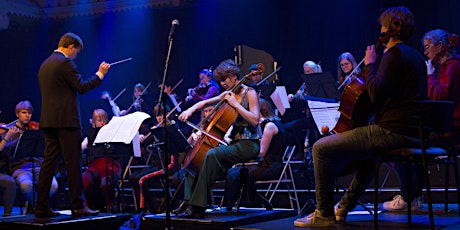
{"type": "Point", "coordinates": [443, 69]}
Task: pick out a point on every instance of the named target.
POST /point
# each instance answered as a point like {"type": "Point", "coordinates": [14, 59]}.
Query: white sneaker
{"type": "Point", "coordinates": [398, 204]}
{"type": "Point", "coordinates": [340, 213]}
{"type": "Point", "coordinates": [315, 219]}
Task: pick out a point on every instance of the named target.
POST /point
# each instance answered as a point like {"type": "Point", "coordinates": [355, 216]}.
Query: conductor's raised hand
{"type": "Point", "coordinates": [104, 67]}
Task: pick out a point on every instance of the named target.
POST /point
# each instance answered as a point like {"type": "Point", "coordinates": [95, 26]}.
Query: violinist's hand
{"type": "Point", "coordinates": [11, 132]}
{"type": "Point", "coordinates": [371, 55]}
{"type": "Point", "coordinates": [188, 98]}
{"type": "Point", "coordinates": [290, 97]}
{"type": "Point", "coordinates": [429, 67]}
{"type": "Point", "coordinates": [185, 115]}
{"type": "Point", "coordinates": [104, 68]}
{"type": "Point", "coordinates": [231, 100]}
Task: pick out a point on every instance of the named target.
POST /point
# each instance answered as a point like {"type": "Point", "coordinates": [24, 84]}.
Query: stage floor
{"type": "Point", "coordinates": [247, 219]}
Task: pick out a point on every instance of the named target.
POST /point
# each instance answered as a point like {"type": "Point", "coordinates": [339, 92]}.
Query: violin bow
{"type": "Point", "coordinates": [177, 84]}
{"type": "Point", "coordinates": [119, 94]}
{"type": "Point", "coordinates": [351, 74]}
{"type": "Point", "coordinates": [167, 115]}
{"type": "Point", "coordinates": [268, 76]}
{"type": "Point", "coordinates": [206, 133]}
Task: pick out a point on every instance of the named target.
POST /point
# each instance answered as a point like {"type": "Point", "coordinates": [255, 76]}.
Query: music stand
{"type": "Point", "coordinates": [122, 130]}
{"type": "Point", "coordinates": [321, 85]}
{"type": "Point", "coordinates": [30, 144]}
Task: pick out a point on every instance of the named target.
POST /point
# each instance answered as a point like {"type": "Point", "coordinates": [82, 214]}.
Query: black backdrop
{"type": "Point", "coordinates": [291, 31]}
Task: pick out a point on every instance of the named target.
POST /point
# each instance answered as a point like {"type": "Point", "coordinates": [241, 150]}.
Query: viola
{"type": "Point", "coordinates": [5, 127]}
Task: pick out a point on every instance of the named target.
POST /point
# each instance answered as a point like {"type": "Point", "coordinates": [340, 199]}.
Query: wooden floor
{"type": "Point", "coordinates": [358, 219]}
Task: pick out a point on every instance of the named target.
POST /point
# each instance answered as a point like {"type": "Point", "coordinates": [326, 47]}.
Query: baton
{"type": "Point", "coordinates": [121, 61]}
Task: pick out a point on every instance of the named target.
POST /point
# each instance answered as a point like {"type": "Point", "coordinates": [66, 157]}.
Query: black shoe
{"type": "Point", "coordinates": [182, 208]}
{"type": "Point", "coordinates": [194, 212]}
{"type": "Point", "coordinates": [84, 212]}
{"type": "Point", "coordinates": [264, 202]}
{"type": "Point", "coordinates": [46, 213]}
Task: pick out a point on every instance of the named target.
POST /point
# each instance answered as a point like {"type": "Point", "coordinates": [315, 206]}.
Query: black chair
{"type": "Point", "coordinates": [436, 116]}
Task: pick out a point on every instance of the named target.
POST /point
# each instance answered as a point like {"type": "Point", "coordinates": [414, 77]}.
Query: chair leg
{"type": "Point", "coordinates": [457, 183]}
{"type": "Point", "coordinates": [446, 189]}
{"type": "Point", "coordinates": [376, 195]}
{"type": "Point", "coordinates": [428, 194]}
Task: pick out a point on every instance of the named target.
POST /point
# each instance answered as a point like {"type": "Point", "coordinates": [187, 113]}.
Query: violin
{"type": "Point", "coordinates": [32, 125]}
{"type": "Point", "coordinates": [5, 127]}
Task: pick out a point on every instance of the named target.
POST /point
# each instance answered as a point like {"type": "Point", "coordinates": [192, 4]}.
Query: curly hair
{"type": "Point", "coordinates": [226, 69]}
{"type": "Point", "coordinates": [401, 17]}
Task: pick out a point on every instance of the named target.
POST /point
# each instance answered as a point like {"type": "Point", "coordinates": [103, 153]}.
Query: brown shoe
{"type": "Point", "coordinates": [84, 212]}
{"type": "Point", "coordinates": [46, 213]}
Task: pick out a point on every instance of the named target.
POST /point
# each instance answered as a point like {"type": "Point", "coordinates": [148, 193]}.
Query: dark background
{"type": "Point", "coordinates": [292, 32]}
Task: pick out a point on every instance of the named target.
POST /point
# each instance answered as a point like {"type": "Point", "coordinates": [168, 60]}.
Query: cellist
{"type": "Point", "coordinates": [245, 136]}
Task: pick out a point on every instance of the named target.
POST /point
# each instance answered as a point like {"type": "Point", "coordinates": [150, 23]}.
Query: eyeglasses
{"type": "Point", "coordinates": [345, 64]}
{"type": "Point", "coordinates": [427, 46]}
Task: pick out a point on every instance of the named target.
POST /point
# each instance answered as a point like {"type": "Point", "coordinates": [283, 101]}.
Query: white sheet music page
{"type": "Point", "coordinates": [121, 129]}
{"type": "Point", "coordinates": [324, 113]}
{"type": "Point", "coordinates": [280, 99]}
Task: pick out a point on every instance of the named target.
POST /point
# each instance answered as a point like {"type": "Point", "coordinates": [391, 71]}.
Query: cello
{"type": "Point", "coordinates": [216, 124]}
{"type": "Point", "coordinates": [356, 107]}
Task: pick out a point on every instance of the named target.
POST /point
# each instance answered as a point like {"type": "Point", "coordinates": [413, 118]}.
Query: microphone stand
{"type": "Point", "coordinates": [162, 101]}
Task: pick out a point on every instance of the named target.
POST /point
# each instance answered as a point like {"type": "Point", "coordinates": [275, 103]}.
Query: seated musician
{"type": "Point", "coordinates": [142, 180]}
{"type": "Point", "coordinates": [206, 88]}
{"type": "Point", "coordinates": [346, 63]}
{"type": "Point", "coordinates": [270, 165]}
{"type": "Point", "coordinates": [23, 167]}
{"type": "Point", "coordinates": [242, 100]}
{"type": "Point", "coordinates": [102, 171]}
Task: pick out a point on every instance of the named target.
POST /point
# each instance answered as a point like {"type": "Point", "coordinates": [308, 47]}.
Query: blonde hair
{"type": "Point", "coordinates": [99, 114]}
{"type": "Point", "coordinates": [313, 66]}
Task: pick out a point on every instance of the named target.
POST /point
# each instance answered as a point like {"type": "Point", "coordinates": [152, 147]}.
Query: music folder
{"type": "Point", "coordinates": [321, 85]}
{"type": "Point", "coordinates": [123, 129]}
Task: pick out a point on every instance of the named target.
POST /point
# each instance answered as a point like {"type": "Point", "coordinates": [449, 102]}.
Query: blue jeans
{"type": "Point", "coordinates": [331, 154]}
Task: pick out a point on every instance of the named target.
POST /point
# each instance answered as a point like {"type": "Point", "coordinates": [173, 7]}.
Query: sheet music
{"type": "Point", "coordinates": [280, 99]}
{"type": "Point", "coordinates": [123, 129]}
{"type": "Point", "coordinates": [324, 113]}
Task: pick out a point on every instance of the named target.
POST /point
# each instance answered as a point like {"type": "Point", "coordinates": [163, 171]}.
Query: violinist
{"type": "Point", "coordinates": [309, 67]}
{"type": "Point", "coordinates": [393, 85]}
{"type": "Point", "coordinates": [346, 63]}
{"type": "Point", "coordinates": [245, 135]}
{"type": "Point", "coordinates": [207, 88]}
{"type": "Point", "coordinates": [443, 69]}
{"type": "Point", "coordinates": [140, 101]}
{"type": "Point", "coordinates": [23, 167]}
{"type": "Point", "coordinates": [172, 100]}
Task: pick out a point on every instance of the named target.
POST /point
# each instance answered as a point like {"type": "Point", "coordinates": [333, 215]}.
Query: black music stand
{"type": "Point", "coordinates": [321, 85]}
{"type": "Point", "coordinates": [31, 144]}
